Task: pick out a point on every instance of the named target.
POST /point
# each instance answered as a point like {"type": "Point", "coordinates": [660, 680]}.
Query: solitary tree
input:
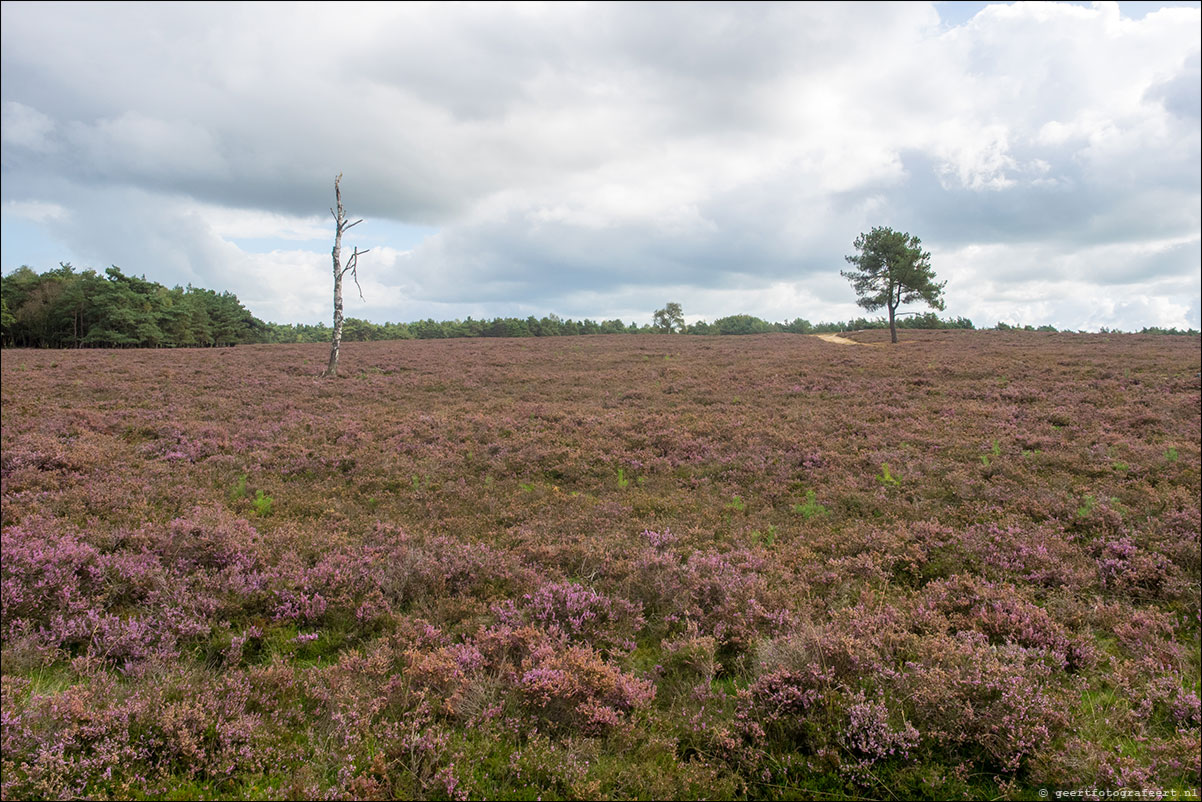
{"type": "Point", "coordinates": [669, 319]}
{"type": "Point", "coordinates": [352, 267]}
{"type": "Point", "coordinates": [891, 270]}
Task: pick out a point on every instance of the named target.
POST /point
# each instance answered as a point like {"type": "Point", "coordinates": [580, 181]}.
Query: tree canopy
{"type": "Point", "coordinates": [891, 269]}
{"type": "Point", "coordinates": [669, 319]}
{"type": "Point", "coordinates": [62, 308]}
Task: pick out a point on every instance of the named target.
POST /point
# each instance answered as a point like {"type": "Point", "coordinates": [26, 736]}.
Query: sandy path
{"type": "Point", "coordinates": [835, 338]}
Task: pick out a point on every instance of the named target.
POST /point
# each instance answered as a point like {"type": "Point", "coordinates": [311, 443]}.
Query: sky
{"type": "Point", "coordinates": [599, 160]}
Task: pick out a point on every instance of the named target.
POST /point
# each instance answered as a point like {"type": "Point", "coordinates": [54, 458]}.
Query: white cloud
{"type": "Point", "coordinates": [574, 153]}
{"type": "Point", "coordinates": [35, 211]}
{"type": "Point", "coordinates": [231, 223]}
{"type": "Point", "coordinates": [1109, 285]}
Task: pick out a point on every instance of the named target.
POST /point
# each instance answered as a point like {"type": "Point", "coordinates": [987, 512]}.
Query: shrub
{"type": "Point", "coordinates": [575, 689]}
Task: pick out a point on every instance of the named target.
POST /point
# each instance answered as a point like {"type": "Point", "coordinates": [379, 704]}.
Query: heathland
{"type": "Point", "coordinates": [605, 567]}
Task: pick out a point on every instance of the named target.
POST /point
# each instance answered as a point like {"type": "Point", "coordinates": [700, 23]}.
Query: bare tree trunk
{"type": "Point", "coordinates": [352, 265]}
{"type": "Point", "coordinates": [893, 304]}
{"type": "Point", "coordinates": [336, 342]}
{"type": "Point", "coordinates": [336, 253]}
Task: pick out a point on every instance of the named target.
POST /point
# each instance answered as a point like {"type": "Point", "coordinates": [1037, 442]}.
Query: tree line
{"type": "Point", "coordinates": [357, 330]}
{"type": "Point", "coordinates": [65, 308]}
{"type": "Point", "coordinates": [62, 308]}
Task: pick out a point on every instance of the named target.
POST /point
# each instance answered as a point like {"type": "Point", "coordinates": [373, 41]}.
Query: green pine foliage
{"type": "Point", "coordinates": [62, 308]}
{"type": "Point", "coordinates": [891, 269]}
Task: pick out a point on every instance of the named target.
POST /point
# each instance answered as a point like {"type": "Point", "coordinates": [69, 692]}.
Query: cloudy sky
{"type": "Point", "coordinates": [598, 160]}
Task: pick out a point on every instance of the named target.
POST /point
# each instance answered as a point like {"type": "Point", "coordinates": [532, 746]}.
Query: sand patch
{"type": "Point", "coordinates": [835, 338]}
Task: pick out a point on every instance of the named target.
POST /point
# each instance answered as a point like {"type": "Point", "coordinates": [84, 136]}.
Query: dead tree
{"type": "Point", "coordinates": [352, 267]}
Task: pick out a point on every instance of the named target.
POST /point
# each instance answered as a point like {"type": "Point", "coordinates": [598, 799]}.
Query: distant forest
{"type": "Point", "coordinates": [555, 326]}
{"type": "Point", "coordinates": [65, 308]}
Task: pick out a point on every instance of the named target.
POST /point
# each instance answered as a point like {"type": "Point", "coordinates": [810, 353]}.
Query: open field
{"type": "Point", "coordinates": [614, 566]}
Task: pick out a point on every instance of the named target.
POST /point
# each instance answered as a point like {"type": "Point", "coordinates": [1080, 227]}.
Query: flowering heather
{"type": "Point", "coordinates": [577, 613]}
{"type": "Point", "coordinates": [604, 567]}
